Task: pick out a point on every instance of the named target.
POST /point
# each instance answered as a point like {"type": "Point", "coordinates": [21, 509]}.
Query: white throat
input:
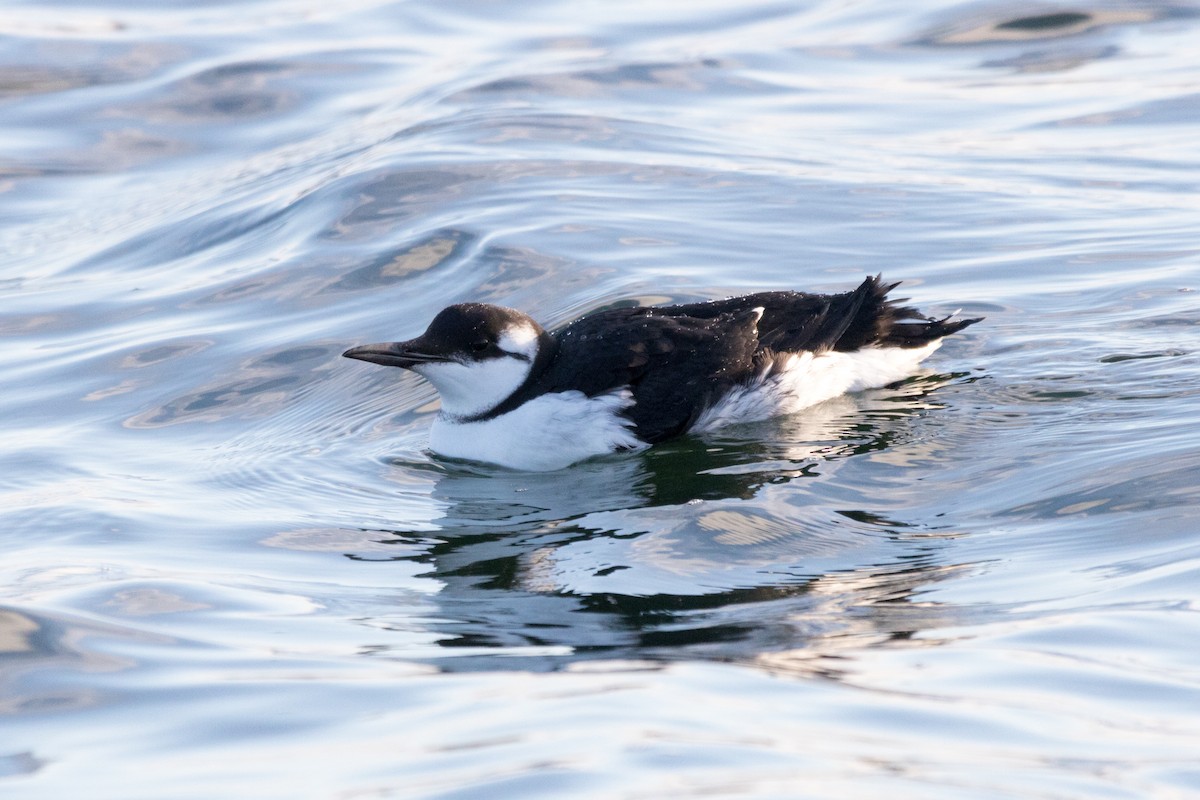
{"type": "Point", "coordinates": [469, 388]}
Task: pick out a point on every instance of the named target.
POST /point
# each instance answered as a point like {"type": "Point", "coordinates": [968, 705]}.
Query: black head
{"type": "Point", "coordinates": [463, 333]}
{"type": "Point", "coordinates": [475, 354]}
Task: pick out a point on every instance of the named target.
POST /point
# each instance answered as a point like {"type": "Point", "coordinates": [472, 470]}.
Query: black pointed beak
{"type": "Point", "coordinates": [396, 354]}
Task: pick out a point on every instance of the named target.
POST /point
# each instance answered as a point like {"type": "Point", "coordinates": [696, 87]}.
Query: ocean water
{"type": "Point", "coordinates": [232, 569]}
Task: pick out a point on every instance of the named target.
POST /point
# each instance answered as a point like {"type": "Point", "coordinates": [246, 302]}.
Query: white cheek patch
{"type": "Point", "coordinates": [520, 339]}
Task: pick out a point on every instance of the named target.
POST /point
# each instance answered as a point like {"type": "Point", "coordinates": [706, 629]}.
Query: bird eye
{"type": "Point", "coordinates": [480, 345]}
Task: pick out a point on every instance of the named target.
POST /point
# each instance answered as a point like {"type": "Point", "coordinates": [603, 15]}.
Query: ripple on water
{"type": "Point", "coordinates": [227, 545]}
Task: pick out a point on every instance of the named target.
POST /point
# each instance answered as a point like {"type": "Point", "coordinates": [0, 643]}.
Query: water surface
{"type": "Point", "coordinates": [232, 568]}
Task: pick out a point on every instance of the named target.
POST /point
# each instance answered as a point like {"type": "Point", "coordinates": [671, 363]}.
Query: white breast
{"type": "Point", "coordinates": [546, 433]}
{"type": "Point", "coordinates": [808, 379]}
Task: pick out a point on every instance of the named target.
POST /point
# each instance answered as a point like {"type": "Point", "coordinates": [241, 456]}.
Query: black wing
{"type": "Point", "coordinates": [674, 364]}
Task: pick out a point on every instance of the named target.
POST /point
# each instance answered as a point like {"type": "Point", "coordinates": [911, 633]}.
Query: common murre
{"type": "Point", "coordinates": [516, 395]}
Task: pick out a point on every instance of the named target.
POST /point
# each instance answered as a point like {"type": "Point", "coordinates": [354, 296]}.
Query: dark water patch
{"type": "Point", "coordinates": [1060, 395]}
{"type": "Point", "coordinates": [1061, 59]}
{"type": "Point", "coordinates": [871, 518]}
{"type": "Point", "coordinates": [149, 600]}
{"type": "Point", "coordinates": [260, 385]}
{"type": "Point", "coordinates": [550, 139]}
{"type": "Point", "coordinates": [1117, 358]}
{"type": "Point", "coordinates": [22, 763]}
{"type": "Point", "coordinates": [978, 28]}
{"type": "Point", "coordinates": [229, 91]}
{"type": "Point", "coordinates": [158, 353]}
{"type": "Point", "coordinates": [248, 395]}
{"type": "Point", "coordinates": [31, 67]}
{"type": "Point", "coordinates": [244, 97]}
{"type": "Point", "coordinates": [291, 356]}
{"type": "Point", "coordinates": [1044, 22]}
{"type": "Point", "coordinates": [388, 197]}
{"type": "Point", "coordinates": [18, 324]}
{"type": "Point", "coordinates": [41, 650]}
{"type": "Point", "coordinates": [432, 251]}
{"type": "Point", "coordinates": [707, 75]}
{"type": "Point", "coordinates": [1163, 321]}
{"type": "Point", "coordinates": [515, 271]}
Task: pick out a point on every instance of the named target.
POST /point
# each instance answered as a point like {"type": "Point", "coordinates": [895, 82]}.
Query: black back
{"type": "Point", "coordinates": [678, 359]}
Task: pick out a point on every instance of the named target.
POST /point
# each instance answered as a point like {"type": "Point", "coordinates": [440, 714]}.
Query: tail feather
{"type": "Point", "coordinates": [921, 333]}
{"type": "Point", "coordinates": [883, 321]}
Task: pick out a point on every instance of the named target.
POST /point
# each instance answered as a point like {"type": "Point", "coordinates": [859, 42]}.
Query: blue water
{"type": "Point", "coordinates": [232, 569]}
